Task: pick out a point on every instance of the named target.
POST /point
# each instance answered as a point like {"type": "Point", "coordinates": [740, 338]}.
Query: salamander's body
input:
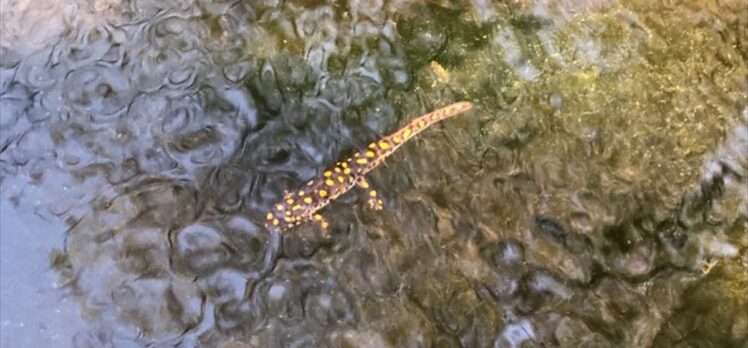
{"type": "Point", "coordinates": [305, 203]}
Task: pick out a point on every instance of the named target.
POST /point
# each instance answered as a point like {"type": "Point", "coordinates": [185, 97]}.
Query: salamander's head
{"type": "Point", "coordinates": [275, 219]}
{"type": "Point", "coordinates": [296, 206]}
{"type": "Point", "coordinates": [285, 214]}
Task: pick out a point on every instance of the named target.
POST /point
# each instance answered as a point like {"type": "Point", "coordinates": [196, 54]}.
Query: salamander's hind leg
{"type": "Point", "coordinates": [371, 194]}
{"type": "Point", "coordinates": [320, 220]}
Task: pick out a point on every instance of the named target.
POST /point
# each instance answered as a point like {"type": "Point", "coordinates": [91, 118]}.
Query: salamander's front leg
{"type": "Point", "coordinates": [320, 220]}
{"type": "Point", "coordinates": [372, 199]}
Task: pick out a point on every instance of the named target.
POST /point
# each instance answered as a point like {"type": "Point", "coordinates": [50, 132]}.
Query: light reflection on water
{"type": "Point", "coordinates": [595, 196]}
{"type": "Point", "coordinates": [34, 312]}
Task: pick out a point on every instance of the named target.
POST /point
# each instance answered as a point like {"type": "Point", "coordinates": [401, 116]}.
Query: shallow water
{"type": "Point", "coordinates": [595, 195]}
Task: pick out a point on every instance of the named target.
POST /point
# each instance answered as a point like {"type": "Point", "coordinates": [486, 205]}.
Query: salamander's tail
{"type": "Point", "coordinates": [378, 151]}
{"type": "Point", "coordinates": [448, 111]}
{"type": "Point", "coordinates": [425, 121]}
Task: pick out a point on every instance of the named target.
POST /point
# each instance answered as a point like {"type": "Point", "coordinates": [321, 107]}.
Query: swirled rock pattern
{"type": "Point", "coordinates": [594, 197]}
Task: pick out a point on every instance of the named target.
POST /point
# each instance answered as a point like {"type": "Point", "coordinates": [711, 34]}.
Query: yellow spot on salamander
{"type": "Point", "coordinates": [347, 171]}
{"type": "Point", "coordinates": [372, 146]}
{"type": "Point", "coordinates": [328, 174]}
{"type": "Point", "coordinates": [370, 154]}
{"type": "Point", "coordinates": [325, 224]}
{"type": "Point", "coordinates": [421, 123]}
{"type": "Point", "coordinates": [317, 217]}
{"type": "Point", "coordinates": [361, 161]}
{"type": "Point", "coordinates": [329, 182]}
{"type": "Point", "coordinates": [337, 170]}
{"type": "Point", "coordinates": [279, 207]}
{"type": "Point", "coordinates": [275, 222]}
{"type": "Point", "coordinates": [373, 193]}
{"type": "Point", "coordinates": [296, 207]}
{"type": "Point", "coordinates": [289, 201]}
{"type": "Point", "coordinates": [323, 193]}
{"type": "Point", "coordinates": [407, 133]}
{"type": "Point", "coordinates": [344, 165]}
{"type": "Point", "coordinates": [288, 213]}
{"type": "Point", "coordinates": [308, 200]}
{"type": "Point", "coordinates": [365, 184]}
{"type": "Point", "coordinates": [384, 145]}
{"type": "Point", "coordinates": [397, 139]}
{"type": "Point", "coordinates": [341, 179]}
{"type": "Point", "coordinates": [301, 193]}
{"type": "Point", "coordinates": [270, 216]}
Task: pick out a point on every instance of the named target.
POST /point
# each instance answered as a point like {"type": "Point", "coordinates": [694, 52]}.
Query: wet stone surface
{"type": "Point", "coordinates": [595, 196]}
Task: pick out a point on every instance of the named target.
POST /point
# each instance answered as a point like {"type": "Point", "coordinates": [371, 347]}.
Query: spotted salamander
{"type": "Point", "coordinates": [305, 203]}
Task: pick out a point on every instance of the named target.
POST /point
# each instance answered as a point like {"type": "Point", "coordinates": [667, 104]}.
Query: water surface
{"type": "Point", "coordinates": [595, 196]}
